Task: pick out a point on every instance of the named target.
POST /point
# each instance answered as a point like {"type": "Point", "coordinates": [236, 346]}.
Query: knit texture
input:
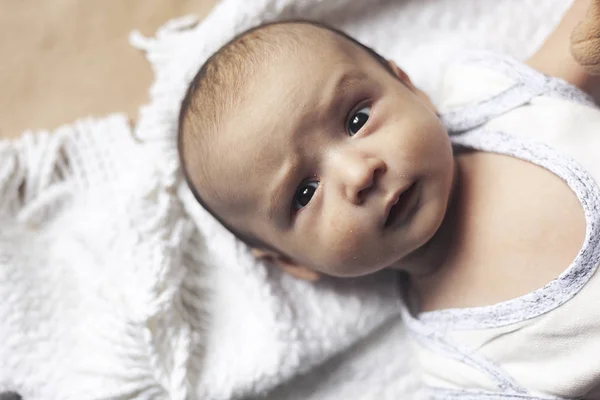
{"type": "Point", "coordinates": [115, 284]}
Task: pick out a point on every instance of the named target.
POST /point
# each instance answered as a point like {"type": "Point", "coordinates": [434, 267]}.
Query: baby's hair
{"type": "Point", "coordinates": [213, 91]}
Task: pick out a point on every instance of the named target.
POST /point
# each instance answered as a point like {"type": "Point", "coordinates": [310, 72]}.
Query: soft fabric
{"type": "Point", "coordinates": [117, 285]}
{"type": "Point", "coordinates": [542, 344]}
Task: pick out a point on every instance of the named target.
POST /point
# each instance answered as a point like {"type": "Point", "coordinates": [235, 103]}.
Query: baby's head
{"type": "Point", "coordinates": [316, 151]}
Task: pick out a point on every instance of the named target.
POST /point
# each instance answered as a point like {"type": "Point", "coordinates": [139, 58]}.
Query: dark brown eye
{"type": "Point", "coordinates": [358, 120]}
{"type": "Point", "coordinates": [304, 194]}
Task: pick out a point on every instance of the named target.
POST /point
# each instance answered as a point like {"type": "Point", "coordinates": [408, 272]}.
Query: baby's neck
{"type": "Point", "coordinates": [450, 238]}
{"type": "Point", "coordinates": [501, 237]}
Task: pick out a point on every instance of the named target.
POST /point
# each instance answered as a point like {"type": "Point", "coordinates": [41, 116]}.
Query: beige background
{"type": "Point", "coordinates": [65, 59]}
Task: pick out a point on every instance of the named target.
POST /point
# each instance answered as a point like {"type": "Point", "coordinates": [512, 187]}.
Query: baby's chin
{"type": "Point", "coordinates": [392, 261]}
{"type": "Point", "coordinates": [430, 244]}
{"type": "Point", "coordinates": [353, 272]}
{"type": "Point", "coordinates": [417, 262]}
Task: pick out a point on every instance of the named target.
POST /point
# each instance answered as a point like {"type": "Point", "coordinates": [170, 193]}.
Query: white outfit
{"type": "Point", "coordinates": [545, 344]}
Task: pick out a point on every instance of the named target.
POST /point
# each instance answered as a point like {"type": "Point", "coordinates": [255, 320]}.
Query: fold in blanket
{"type": "Point", "coordinates": [117, 285]}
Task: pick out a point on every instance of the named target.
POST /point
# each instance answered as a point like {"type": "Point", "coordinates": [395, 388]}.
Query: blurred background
{"type": "Point", "coordinates": [65, 59]}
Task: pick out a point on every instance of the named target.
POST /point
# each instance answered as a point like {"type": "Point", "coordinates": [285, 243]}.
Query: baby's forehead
{"type": "Point", "coordinates": [274, 92]}
{"type": "Point", "coordinates": [297, 63]}
{"type": "Point", "coordinates": [282, 102]}
{"type": "Point", "coordinates": [297, 39]}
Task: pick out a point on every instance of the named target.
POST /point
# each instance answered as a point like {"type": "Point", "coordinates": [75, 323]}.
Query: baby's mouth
{"type": "Point", "coordinates": [403, 207]}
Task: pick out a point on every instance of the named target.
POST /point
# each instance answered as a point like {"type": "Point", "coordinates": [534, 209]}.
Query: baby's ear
{"type": "Point", "coordinates": [400, 74]}
{"type": "Point", "coordinates": [287, 265]}
{"type": "Point", "coordinates": [403, 76]}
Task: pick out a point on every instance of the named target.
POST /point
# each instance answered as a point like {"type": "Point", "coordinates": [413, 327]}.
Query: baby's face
{"type": "Point", "coordinates": [334, 161]}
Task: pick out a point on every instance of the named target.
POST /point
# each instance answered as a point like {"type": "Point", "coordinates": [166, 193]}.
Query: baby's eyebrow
{"type": "Point", "coordinates": [342, 84]}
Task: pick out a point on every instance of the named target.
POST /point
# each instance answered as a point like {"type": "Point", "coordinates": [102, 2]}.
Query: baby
{"type": "Point", "coordinates": [326, 159]}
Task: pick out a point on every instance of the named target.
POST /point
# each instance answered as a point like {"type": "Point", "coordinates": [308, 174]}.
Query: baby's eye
{"type": "Point", "coordinates": [358, 120]}
{"type": "Point", "coordinates": [304, 194]}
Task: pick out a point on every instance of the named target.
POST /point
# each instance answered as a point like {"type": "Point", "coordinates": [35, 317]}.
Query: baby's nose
{"type": "Point", "coordinates": [360, 175]}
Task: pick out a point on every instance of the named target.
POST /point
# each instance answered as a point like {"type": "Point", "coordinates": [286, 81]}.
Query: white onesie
{"type": "Point", "coordinates": [545, 344]}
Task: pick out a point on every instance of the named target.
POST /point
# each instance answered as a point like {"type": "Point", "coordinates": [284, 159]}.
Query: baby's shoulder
{"type": "Point", "coordinates": [494, 93]}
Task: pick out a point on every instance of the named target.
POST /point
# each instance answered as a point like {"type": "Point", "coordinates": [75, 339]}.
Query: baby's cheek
{"type": "Point", "coordinates": [347, 246]}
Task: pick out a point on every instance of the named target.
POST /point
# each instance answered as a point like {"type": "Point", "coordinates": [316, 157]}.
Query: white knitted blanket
{"type": "Point", "coordinates": [114, 284]}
